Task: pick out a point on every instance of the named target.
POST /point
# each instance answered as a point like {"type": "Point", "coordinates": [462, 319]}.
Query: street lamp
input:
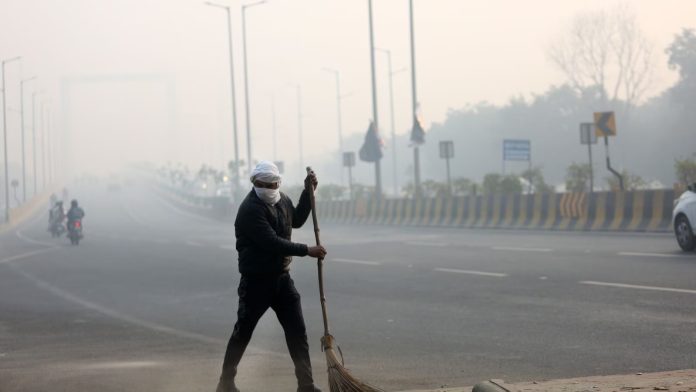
{"type": "Point", "coordinates": [414, 97]}
{"type": "Point", "coordinates": [391, 108]}
{"type": "Point", "coordinates": [246, 80]}
{"type": "Point", "coordinates": [299, 128]}
{"type": "Point", "coordinates": [339, 97]}
{"type": "Point", "coordinates": [233, 94]}
{"type": "Point", "coordinates": [375, 118]}
{"type": "Point", "coordinates": [43, 145]}
{"type": "Point", "coordinates": [24, 162]}
{"type": "Point", "coordinates": [4, 133]}
{"type": "Point", "coordinates": [33, 138]}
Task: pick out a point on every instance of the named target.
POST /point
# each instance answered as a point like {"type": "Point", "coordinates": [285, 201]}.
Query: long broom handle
{"type": "Point", "coordinates": [320, 261]}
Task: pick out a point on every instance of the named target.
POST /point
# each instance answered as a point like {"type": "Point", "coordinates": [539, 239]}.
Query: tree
{"type": "Point", "coordinates": [606, 50]}
{"type": "Point", "coordinates": [330, 192]}
{"type": "Point", "coordinates": [494, 183]}
{"type": "Point", "coordinates": [463, 186]}
{"type": "Point", "coordinates": [631, 182]}
{"type": "Point", "coordinates": [432, 188]}
{"type": "Point", "coordinates": [685, 170]}
{"type": "Point", "coordinates": [682, 56]}
{"type": "Point", "coordinates": [491, 183]}
{"type": "Point", "coordinates": [578, 177]}
{"type": "Point", "coordinates": [535, 178]}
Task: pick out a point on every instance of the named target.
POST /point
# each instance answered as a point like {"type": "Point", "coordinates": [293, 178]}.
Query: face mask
{"type": "Point", "coordinates": [269, 196]}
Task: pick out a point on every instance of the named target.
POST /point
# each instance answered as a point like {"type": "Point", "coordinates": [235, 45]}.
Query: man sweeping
{"type": "Point", "coordinates": [263, 230]}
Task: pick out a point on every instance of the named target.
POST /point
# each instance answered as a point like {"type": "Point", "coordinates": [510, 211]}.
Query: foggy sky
{"type": "Point", "coordinates": [148, 79]}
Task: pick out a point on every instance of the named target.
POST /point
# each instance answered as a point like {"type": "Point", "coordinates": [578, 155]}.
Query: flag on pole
{"type": "Point", "coordinates": [417, 132]}
{"type": "Point", "coordinates": [371, 150]}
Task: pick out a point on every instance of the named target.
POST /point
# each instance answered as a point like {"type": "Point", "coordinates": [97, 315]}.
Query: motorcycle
{"type": "Point", "coordinates": [75, 232]}
{"type": "Point", "coordinates": [56, 228]}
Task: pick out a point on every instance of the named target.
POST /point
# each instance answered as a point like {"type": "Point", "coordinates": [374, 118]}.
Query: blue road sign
{"type": "Point", "coordinates": [517, 150]}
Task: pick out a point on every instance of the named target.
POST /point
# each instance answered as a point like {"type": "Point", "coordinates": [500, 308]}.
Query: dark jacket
{"type": "Point", "coordinates": [75, 213]}
{"type": "Point", "coordinates": [263, 234]}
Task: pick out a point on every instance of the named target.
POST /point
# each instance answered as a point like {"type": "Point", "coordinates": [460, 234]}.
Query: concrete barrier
{"type": "Point", "coordinates": [636, 211]}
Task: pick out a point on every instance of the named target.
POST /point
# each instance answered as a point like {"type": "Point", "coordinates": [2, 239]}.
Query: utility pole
{"type": "Point", "coordinates": [339, 122]}
{"type": "Point", "coordinates": [275, 129]}
{"type": "Point", "coordinates": [33, 141]}
{"type": "Point", "coordinates": [416, 153]}
{"type": "Point", "coordinates": [24, 161]}
{"type": "Point", "coordinates": [391, 110]}
{"type": "Point", "coordinates": [375, 119]}
{"type": "Point", "coordinates": [299, 128]}
{"type": "Point", "coordinates": [233, 94]}
{"type": "Point", "coordinates": [43, 146]}
{"type": "Point", "coordinates": [246, 81]}
{"type": "Point", "coordinates": [4, 133]}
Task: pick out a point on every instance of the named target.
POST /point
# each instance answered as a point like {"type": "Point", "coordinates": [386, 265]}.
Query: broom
{"type": "Point", "coordinates": [340, 379]}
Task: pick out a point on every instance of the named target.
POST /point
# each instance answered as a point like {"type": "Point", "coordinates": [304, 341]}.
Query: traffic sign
{"type": "Point", "coordinates": [586, 134]}
{"type": "Point", "coordinates": [446, 149]}
{"type": "Point", "coordinates": [517, 150]}
{"type": "Point", "coordinates": [605, 124]}
{"type": "Point", "coordinates": [349, 159]}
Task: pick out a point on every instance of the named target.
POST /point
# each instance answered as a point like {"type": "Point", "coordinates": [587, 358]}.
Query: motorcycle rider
{"type": "Point", "coordinates": [75, 213]}
{"type": "Point", "coordinates": [56, 216]}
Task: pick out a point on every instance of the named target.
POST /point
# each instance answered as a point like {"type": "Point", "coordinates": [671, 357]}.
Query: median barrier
{"type": "Point", "coordinates": [633, 211]}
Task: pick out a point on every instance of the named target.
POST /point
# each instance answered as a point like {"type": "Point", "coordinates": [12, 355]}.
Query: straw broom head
{"type": "Point", "coordinates": [340, 379]}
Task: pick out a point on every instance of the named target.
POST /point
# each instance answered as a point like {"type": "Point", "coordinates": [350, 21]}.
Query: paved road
{"type": "Point", "coordinates": [147, 302]}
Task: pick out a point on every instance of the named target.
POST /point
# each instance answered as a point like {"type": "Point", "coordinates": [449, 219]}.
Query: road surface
{"type": "Point", "coordinates": [147, 301]}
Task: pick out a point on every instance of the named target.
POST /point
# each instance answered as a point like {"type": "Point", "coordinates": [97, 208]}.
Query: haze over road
{"type": "Point", "coordinates": [147, 303]}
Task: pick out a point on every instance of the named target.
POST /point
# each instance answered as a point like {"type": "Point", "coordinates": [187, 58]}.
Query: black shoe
{"type": "Point", "coordinates": [226, 387]}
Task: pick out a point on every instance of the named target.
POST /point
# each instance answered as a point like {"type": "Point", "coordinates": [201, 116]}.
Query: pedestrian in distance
{"type": "Point", "coordinates": [263, 229]}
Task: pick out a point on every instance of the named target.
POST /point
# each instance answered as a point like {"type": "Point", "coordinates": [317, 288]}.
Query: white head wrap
{"type": "Point", "coordinates": [266, 171]}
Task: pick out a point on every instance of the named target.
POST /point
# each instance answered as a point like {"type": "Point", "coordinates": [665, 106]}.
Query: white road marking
{"type": "Point", "coordinates": [20, 234]}
{"type": "Point", "coordinates": [520, 249]}
{"type": "Point", "coordinates": [638, 287]}
{"type": "Point", "coordinates": [470, 272]}
{"type": "Point", "coordinates": [641, 254]}
{"type": "Point", "coordinates": [25, 255]}
{"type": "Point", "coordinates": [426, 243]}
{"type": "Point", "coordinates": [352, 261]}
{"type": "Point", "coordinates": [121, 365]}
{"type": "Point", "coordinates": [42, 284]}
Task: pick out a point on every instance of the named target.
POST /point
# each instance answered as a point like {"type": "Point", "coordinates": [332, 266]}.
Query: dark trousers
{"type": "Point", "coordinates": [256, 295]}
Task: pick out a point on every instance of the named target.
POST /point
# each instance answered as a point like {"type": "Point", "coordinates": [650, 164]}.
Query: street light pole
{"type": "Point", "coordinates": [246, 80]}
{"type": "Point", "coordinates": [416, 153]}
{"type": "Point", "coordinates": [24, 161]}
{"type": "Point", "coordinates": [49, 144]}
{"type": "Point", "coordinates": [338, 117]}
{"type": "Point", "coordinates": [378, 174]}
{"type": "Point", "coordinates": [33, 142]}
{"type": "Point", "coordinates": [299, 128]}
{"type": "Point", "coordinates": [232, 90]}
{"type": "Point", "coordinates": [391, 109]}
{"type": "Point", "coordinates": [43, 146]}
{"type": "Point", "coordinates": [4, 133]}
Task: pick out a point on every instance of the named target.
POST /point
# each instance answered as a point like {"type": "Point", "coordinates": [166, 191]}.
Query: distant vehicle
{"type": "Point", "coordinates": [684, 218]}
